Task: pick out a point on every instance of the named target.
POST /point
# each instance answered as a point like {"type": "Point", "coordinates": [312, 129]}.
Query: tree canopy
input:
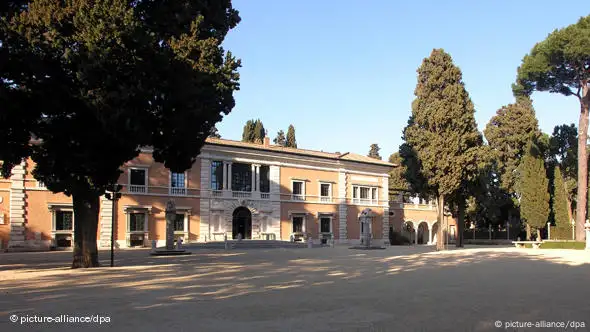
{"type": "Point", "coordinates": [374, 152]}
{"type": "Point", "coordinates": [254, 131]}
{"type": "Point", "coordinates": [508, 134]}
{"type": "Point", "coordinates": [280, 138]}
{"type": "Point", "coordinates": [441, 137]}
{"type": "Point", "coordinates": [93, 81]}
{"type": "Point", "coordinates": [561, 64]}
{"type": "Point", "coordinates": [559, 202]}
{"type": "Point", "coordinates": [291, 141]}
{"type": "Point", "coordinates": [533, 189]}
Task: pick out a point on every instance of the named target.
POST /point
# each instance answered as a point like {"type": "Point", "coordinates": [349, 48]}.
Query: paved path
{"type": "Point", "coordinates": [320, 289]}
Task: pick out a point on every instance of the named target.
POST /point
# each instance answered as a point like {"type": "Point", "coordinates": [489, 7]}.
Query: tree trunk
{"type": "Point", "coordinates": [460, 223]}
{"type": "Point", "coordinates": [582, 166]}
{"type": "Point", "coordinates": [539, 238]}
{"type": "Point", "coordinates": [528, 232]}
{"type": "Point", "coordinates": [441, 234]}
{"type": "Point", "coordinates": [86, 208]}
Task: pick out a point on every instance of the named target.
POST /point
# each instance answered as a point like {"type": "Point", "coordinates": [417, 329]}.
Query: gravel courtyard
{"type": "Point", "coordinates": [320, 289]}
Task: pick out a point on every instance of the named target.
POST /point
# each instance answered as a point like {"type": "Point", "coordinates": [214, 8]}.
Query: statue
{"type": "Point", "coordinates": [170, 218]}
{"type": "Point", "coordinates": [366, 219]}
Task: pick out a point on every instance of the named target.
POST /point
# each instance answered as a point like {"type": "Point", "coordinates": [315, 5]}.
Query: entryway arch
{"type": "Point", "coordinates": [242, 223]}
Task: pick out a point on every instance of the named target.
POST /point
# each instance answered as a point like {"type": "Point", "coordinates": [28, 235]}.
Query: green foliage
{"type": "Point", "coordinates": [443, 148]}
{"type": "Point", "coordinates": [508, 134]}
{"type": "Point", "coordinates": [291, 141]}
{"type": "Point", "coordinates": [533, 189]}
{"type": "Point", "coordinates": [577, 245]}
{"type": "Point", "coordinates": [489, 204]}
{"type": "Point", "coordinates": [93, 81]}
{"type": "Point", "coordinates": [564, 149]}
{"type": "Point", "coordinates": [396, 238]}
{"type": "Point", "coordinates": [280, 139]}
{"type": "Point", "coordinates": [559, 201]}
{"type": "Point", "coordinates": [214, 133]}
{"type": "Point", "coordinates": [397, 180]}
{"type": "Point", "coordinates": [559, 64]}
{"type": "Point", "coordinates": [253, 132]}
{"type": "Point", "coordinates": [562, 232]}
{"type": "Point", "coordinates": [374, 151]}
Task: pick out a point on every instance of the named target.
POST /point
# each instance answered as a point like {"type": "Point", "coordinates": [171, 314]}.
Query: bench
{"type": "Point", "coordinates": [521, 244]}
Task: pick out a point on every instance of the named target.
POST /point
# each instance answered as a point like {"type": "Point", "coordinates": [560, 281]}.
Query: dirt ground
{"type": "Point", "coordinates": [320, 289]}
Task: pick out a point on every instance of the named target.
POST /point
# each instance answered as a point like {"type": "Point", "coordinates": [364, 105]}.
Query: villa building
{"type": "Point", "coordinates": [256, 191]}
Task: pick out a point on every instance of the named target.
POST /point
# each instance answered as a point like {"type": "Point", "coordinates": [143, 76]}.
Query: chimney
{"type": "Point", "coordinates": [266, 141]}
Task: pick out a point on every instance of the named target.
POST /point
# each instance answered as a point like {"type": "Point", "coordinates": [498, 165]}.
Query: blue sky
{"type": "Point", "coordinates": [344, 72]}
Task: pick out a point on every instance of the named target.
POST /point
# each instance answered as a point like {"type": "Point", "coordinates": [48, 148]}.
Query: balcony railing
{"type": "Point", "coordinates": [137, 189]}
{"type": "Point", "coordinates": [178, 191]}
{"type": "Point", "coordinates": [217, 193]}
{"type": "Point", "coordinates": [241, 194]}
{"type": "Point", "coordinates": [296, 197]}
{"type": "Point", "coordinates": [265, 195]}
{"type": "Point", "coordinates": [325, 199]}
{"type": "Point", "coordinates": [365, 201]}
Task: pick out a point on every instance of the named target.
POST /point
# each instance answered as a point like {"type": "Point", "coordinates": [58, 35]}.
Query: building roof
{"type": "Point", "coordinates": [347, 156]}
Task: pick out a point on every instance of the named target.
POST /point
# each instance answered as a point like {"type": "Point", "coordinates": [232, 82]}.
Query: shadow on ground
{"type": "Point", "coordinates": [324, 289]}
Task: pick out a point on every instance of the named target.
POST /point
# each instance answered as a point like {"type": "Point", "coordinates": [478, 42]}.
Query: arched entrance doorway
{"type": "Point", "coordinates": [242, 223]}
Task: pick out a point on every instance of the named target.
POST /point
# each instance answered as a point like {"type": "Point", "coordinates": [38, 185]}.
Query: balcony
{"type": "Point", "coordinates": [137, 189]}
{"type": "Point", "coordinates": [241, 194]}
{"type": "Point", "coordinates": [178, 191]}
{"type": "Point", "coordinates": [365, 201]}
{"type": "Point", "coordinates": [265, 195]}
{"type": "Point", "coordinates": [217, 193]}
{"type": "Point", "coordinates": [325, 199]}
{"type": "Point", "coordinates": [296, 197]}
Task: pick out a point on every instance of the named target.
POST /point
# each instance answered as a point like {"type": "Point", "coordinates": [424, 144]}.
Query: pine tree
{"type": "Point", "coordinates": [374, 152]}
{"type": "Point", "coordinates": [559, 64]}
{"type": "Point", "coordinates": [291, 142]}
{"type": "Point", "coordinates": [280, 139]}
{"type": "Point", "coordinates": [559, 202]}
{"type": "Point", "coordinates": [533, 189]}
{"type": "Point", "coordinates": [442, 135]}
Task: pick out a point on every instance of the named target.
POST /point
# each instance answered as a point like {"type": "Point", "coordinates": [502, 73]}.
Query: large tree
{"type": "Point", "coordinates": [441, 137]}
{"type": "Point", "coordinates": [508, 134]}
{"type": "Point", "coordinates": [280, 139]}
{"type": "Point", "coordinates": [397, 178]}
{"type": "Point", "coordinates": [85, 84]}
{"type": "Point", "coordinates": [564, 149]}
{"type": "Point", "coordinates": [374, 151]}
{"type": "Point", "coordinates": [533, 191]}
{"type": "Point", "coordinates": [559, 202]}
{"type": "Point", "coordinates": [291, 141]}
{"type": "Point", "coordinates": [214, 133]}
{"type": "Point", "coordinates": [561, 64]}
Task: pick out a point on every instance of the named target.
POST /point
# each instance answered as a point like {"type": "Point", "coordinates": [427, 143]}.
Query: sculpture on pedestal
{"type": "Point", "coordinates": [170, 217]}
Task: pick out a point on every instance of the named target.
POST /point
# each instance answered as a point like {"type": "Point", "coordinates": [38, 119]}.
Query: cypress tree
{"type": "Point", "coordinates": [374, 152]}
{"type": "Point", "coordinates": [259, 132]}
{"type": "Point", "coordinates": [533, 188]}
{"type": "Point", "coordinates": [248, 133]}
{"type": "Point", "coordinates": [443, 136]}
{"type": "Point", "coordinates": [280, 139]}
{"type": "Point", "coordinates": [291, 141]}
{"type": "Point", "coordinates": [560, 206]}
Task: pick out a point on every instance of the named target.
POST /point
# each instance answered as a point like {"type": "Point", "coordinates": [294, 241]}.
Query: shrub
{"type": "Point", "coordinates": [396, 238]}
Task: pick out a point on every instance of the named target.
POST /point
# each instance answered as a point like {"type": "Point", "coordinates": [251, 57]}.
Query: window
{"type": "Point", "coordinates": [365, 195]}
{"type": "Point", "coordinates": [264, 179]}
{"type": "Point", "coordinates": [137, 180]}
{"type": "Point", "coordinates": [297, 224]}
{"type": "Point", "coordinates": [177, 183]}
{"type": "Point", "coordinates": [241, 177]}
{"type": "Point", "coordinates": [325, 224]}
{"type": "Point", "coordinates": [137, 222]}
{"type": "Point", "coordinates": [298, 189]}
{"type": "Point", "coordinates": [325, 192]}
{"type": "Point", "coordinates": [64, 220]}
{"type": "Point", "coordinates": [40, 184]}
{"type": "Point", "coordinates": [179, 222]}
{"type": "Point", "coordinates": [216, 175]}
